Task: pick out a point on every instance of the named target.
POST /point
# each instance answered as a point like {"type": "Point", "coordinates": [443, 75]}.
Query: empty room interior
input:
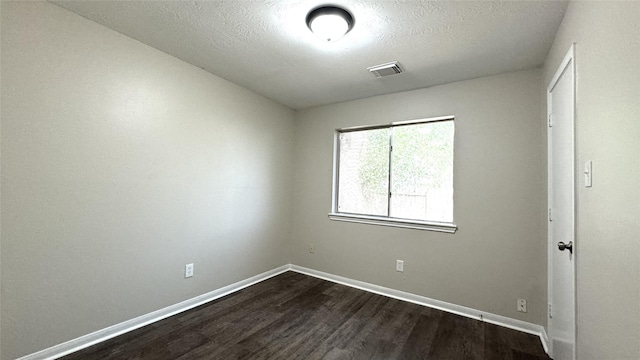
{"type": "Point", "coordinates": [349, 179]}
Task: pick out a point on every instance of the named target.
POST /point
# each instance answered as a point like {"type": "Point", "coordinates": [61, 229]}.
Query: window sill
{"type": "Point", "coordinates": [401, 223]}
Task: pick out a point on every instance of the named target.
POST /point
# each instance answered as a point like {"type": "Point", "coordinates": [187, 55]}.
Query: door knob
{"type": "Point", "coordinates": [562, 246]}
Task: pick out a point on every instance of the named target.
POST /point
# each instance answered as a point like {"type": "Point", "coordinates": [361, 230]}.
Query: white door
{"type": "Point", "coordinates": [561, 189]}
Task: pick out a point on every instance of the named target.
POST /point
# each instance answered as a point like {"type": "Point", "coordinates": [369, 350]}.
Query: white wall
{"type": "Point", "coordinates": [499, 252]}
{"type": "Point", "coordinates": [120, 164]}
{"type": "Point", "coordinates": [607, 37]}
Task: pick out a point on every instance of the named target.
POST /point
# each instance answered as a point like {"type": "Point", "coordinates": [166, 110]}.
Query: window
{"type": "Point", "coordinates": [397, 175]}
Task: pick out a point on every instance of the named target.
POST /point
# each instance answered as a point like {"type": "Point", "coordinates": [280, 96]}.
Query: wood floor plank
{"type": "Point", "coordinates": [458, 337]}
{"type": "Point", "coordinates": [422, 336]}
{"type": "Point", "coordinates": [256, 328]}
{"type": "Point", "coordinates": [520, 355]}
{"type": "Point", "coordinates": [294, 316]}
{"type": "Point", "coordinates": [322, 325]}
{"type": "Point", "coordinates": [170, 346]}
{"type": "Point", "coordinates": [387, 341]}
{"type": "Point", "coordinates": [497, 346]}
{"type": "Point", "coordinates": [502, 343]}
{"type": "Point", "coordinates": [295, 325]}
{"type": "Point", "coordinates": [351, 334]}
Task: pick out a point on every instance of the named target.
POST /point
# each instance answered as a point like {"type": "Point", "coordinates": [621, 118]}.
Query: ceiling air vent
{"type": "Point", "coordinates": [387, 69]}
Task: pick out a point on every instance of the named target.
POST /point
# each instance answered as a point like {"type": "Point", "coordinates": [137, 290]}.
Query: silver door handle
{"type": "Point", "coordinates": [562, 246]}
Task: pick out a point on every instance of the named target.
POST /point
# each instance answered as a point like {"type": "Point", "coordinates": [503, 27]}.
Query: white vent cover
{"type": "Point", "coordinates": [387, 69]}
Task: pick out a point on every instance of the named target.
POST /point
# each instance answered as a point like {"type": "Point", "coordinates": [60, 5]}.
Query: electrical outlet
{"type": "Point", "coordinates": [188, 270]}
{"type": "Point", "coordinates": [312, 249]}
{"type": "Point", "coordinates": [522, 305]}
{"type": "Point", "coordinates": [400, 265]}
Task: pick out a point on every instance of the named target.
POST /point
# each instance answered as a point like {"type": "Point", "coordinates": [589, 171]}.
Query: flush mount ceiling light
{"type": "Point", "coordinates": [330, 23]}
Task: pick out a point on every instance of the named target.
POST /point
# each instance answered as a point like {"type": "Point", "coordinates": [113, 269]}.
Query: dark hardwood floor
{"type": "Point", "coordinates": [294, 316]}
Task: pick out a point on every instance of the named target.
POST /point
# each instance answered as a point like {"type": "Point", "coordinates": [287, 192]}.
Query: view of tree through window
{"type": "Point", "coordinates": [403, 171]}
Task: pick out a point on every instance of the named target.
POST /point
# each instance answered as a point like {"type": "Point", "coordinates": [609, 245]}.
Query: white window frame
{"type": "Point", "coordinates": [446, 227]}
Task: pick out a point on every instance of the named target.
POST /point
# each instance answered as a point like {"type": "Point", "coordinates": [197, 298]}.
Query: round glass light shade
{"type": "Point", "coordinates": [329, 23]}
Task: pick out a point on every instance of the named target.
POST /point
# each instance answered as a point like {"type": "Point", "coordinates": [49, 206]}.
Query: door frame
{"type": "Point", "coordinates": [567, 64]}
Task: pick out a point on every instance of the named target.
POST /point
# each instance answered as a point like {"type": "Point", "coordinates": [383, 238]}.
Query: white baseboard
{"type": "Point", "coordinates": [93, 338]}
{"type": "Point", "coordinates": [85, 341]}
{"type": "Point", "coordinates": [545, 340]}
{"type": "Point", "coordinates": [500, 320]}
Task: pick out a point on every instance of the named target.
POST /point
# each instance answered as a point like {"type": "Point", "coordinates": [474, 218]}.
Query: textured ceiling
{"type": "Point", "coordinates": [266, 47]}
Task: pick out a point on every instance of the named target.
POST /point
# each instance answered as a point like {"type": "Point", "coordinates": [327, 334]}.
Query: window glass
{"type": "Point", "coordinates": [422, 172]}
{"type": "Point", "coordinates": [364, 172]}
{"type": "Point", "coordinates": [398, 171]}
